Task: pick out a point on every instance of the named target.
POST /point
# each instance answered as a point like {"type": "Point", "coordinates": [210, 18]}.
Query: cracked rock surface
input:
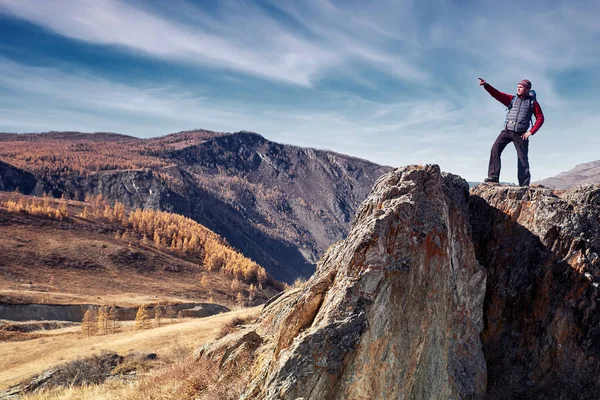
{"type": "Point", "coordinates": [440, 293]}
{"type": "Point", "coordinates": [542, 328]}
{"type": "Point", "coordinates": [394, 311]}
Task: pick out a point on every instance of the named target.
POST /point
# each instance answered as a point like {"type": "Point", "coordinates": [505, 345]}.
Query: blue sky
{"type": "Point", "coordinates": [394, 82]}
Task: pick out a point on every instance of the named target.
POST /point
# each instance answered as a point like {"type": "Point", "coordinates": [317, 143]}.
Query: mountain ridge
{"type": "Point", "coordinates": [281, 205]}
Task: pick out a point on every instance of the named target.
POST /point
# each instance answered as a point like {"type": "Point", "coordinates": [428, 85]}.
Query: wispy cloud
{"type": "Point", "coordinates": [391, 81]}
{"type": "Point", "coordinates": [284, 57]}
{"type": "Point", "coordinates": [241, 37]}
{"type": "Point", "coordinates": [52, 99]}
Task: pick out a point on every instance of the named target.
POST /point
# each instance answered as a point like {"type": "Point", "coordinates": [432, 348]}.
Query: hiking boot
{"type": "Point", "coordinates": [491, 180]}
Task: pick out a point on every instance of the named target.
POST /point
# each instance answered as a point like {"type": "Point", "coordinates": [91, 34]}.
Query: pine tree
{"type": "Point", "coordinates": [204, 281]}
{"type": "Point", "coordinates": [62, 206]}
{"type": "Point", "coordinates": [240, 299]}
{"type": "Point", "coordinates": [252, 293]}
{"type": "Point", "coordinates": [142, 318]}
{"type": "Point", "coordinates": [108, 214]}
{"type": "Point", "coordinates": [103, 320]}
{"type": "Point", "coordinates": [89, 323]}
{"type": "Point", "coordinates": [119, 212]}
{"type": "Point", "coordinates": [97, 204]}
{"type": "Point", "coordinates": [46, 200]}
{"type": "Point", "coordinates": [235, 285]}
{"type": "Point", "coordinates": [157, 240]}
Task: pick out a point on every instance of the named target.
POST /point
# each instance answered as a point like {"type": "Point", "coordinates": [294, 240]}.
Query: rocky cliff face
{"type": "Point", "coordinates": [12, 178]}
{"type": "Point", "coordinates": [393, 311]}
{"type": "Point", "coordinates": [542, 328]}
{"type": "Point", "coordinates": [134, 188]}
{"type": "Point", "coordinates": [438, 293]}
{"type": "Point", "coordinates": [287, 191]}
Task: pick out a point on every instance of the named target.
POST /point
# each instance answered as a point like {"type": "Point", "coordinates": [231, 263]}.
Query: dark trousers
{"type": "Point", "coordinates": [522, 147]}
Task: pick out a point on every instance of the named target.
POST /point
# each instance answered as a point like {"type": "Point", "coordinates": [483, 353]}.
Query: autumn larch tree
{"type": "Point", "coordinates": [142, 318]}
{"type": "Point", "coordinates": [103, 320]}
{"type": "Point", "coordinates": [89, 324]}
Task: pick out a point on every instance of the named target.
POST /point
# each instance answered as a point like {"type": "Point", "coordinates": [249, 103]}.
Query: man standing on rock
{"type": "Point", "coordinates": [521, 109]}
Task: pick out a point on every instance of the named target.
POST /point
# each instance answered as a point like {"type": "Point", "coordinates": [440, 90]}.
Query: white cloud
{"type": "Point", "coordinates": [419, 131]}
{"type": "Point", "coordinates": [283, 57]}
{"type": "Point", "coordinates": [438, 45]}
{"type": "Point", "coordinates": [243, 38]}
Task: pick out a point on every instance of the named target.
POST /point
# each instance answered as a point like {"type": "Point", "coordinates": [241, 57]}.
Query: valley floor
{"type": "Point", "coordinates": [22, 360]}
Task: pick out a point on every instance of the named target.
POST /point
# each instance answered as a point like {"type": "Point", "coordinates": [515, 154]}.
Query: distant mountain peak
{"type": "Point", "coordinates": [249, 136]}
{"type": "Point", "coordinates": [588, 172]}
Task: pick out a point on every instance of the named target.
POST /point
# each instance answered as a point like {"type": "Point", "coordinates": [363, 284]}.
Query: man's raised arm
{"type": "Point", "coordinates": [503, 98]}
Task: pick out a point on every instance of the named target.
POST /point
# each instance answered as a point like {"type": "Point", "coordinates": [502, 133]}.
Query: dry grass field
{"type": "Point", "coordinates": [78, 261]}
{"type": "Point", "coordinates": [21, 360]}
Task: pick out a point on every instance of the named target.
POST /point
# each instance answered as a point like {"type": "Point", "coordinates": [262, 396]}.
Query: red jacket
{"type": "Point", "coordinates": [506, 98]}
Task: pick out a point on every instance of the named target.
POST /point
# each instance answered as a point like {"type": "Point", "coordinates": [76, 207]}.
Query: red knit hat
{"type": "Point", "coordinates": [525, 82]}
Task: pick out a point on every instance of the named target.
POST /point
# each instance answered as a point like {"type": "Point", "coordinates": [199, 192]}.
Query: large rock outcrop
{"type": "Point", "coordinates": [394, 311]}
{"type": "Point", "coordinates": [425, 299]}
{"type": "Point", "coordinates": [541, 252]}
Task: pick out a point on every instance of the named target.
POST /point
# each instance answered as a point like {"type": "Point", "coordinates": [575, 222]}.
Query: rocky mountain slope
{"type": "Point", "coordinates": [12, 178]}
{"type": "Point", "coordinates": [438, 293]}
{"type": "Point", "coordinates": [280, 205]}
{"type": "Point", "coordinates": [581, 174]}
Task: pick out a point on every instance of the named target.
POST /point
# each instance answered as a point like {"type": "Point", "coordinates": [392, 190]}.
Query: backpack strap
{"type": "Point", "coordinates": [533, 98]}
{"type": "Point", "coordinates": [511, 103]}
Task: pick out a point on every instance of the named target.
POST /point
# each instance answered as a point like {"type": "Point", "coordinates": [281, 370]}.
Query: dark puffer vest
{"type": "Point", "coordinates": [519, 114]}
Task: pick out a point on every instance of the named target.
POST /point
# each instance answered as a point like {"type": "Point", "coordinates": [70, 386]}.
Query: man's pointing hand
{"type": "Point", "coordinates": [481, 81]}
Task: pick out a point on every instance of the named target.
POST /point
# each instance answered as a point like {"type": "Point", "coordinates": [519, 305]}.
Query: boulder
{"type": "Point", "coordinates": [394, 311]}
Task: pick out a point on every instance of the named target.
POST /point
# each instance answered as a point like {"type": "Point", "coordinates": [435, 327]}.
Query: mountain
{"type": "Point", "coordinates": [64, 135]}
{"type": "Point", "coordinates": [436, 292]}
{"type": "Point", "coordinates": [581, 174]}
{"type": "Point", "coordinates": [280, 205]}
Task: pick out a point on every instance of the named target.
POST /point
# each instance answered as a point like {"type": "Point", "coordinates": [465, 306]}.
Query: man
{"type": "Point", "coordinates": [521, 108]}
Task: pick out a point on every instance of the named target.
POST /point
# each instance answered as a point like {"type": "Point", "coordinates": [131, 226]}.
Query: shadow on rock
{"type": "Point", "coordinates": [542, 333]}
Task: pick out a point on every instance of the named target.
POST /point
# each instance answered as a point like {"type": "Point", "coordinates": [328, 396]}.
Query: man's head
{"type": "Point", "coordinates": [523, 87]}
